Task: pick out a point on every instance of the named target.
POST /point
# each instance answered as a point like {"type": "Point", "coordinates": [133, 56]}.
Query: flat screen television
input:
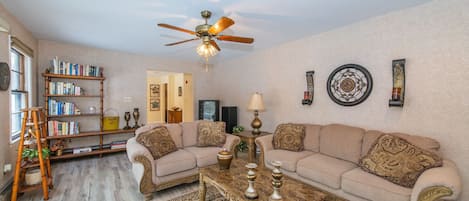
{"type": "Point", "coordinates": [209, 110]}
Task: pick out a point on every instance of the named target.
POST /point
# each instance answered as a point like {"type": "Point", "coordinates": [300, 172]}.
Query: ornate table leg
{"type": "Point", "coordinates": [202, 187]}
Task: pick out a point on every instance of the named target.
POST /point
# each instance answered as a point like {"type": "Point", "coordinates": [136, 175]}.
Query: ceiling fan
{"type": "Point", "coordinates": [208, 32]}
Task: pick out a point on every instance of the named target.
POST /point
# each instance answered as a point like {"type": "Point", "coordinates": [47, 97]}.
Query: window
{"type": "Point", "coordinates": [20, 87]}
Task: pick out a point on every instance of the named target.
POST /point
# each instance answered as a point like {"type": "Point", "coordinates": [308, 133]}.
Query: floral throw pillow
{"type": "Point", "coordinates": [158, 141]}
{"type": "Point", "coordinates": [289, 137]}
{"type": "Point", "coordinates": [211, 134]}
{"type": "Point", "coordinates": [398, 161]}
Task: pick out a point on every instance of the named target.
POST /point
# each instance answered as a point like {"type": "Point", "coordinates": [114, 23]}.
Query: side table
{"type": "Point", "coordinates": [249, 138]}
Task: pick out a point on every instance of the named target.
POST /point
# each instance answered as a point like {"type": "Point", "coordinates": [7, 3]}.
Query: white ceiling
{"type": "Point", "coordinates": [130, 25]}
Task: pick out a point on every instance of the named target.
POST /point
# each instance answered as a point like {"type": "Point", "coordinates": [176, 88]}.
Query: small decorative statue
{"type": "Point", "coordinates": [127, 119]}
{"type": "Point", "coordinates": [136, 115]}
{"type": "Point", "coordinates": [250, 192]}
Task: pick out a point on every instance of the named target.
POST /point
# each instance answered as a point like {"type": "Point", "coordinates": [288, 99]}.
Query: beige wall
{"type": "Point", "coordinates": [7, 150]}
{"type": "Point", "coordinates": [188, 96]}
{"type": "Point", "coordinates": [433, 37]}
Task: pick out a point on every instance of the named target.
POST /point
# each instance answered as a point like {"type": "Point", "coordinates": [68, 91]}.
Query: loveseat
{"type": "Point", "coordinates": [330, 161]}
{"type": "Point", "coordinates": [177, 167]}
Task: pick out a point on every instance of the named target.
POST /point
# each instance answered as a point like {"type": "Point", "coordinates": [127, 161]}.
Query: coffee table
{"type": "Point", "coordinates": [233, 182]}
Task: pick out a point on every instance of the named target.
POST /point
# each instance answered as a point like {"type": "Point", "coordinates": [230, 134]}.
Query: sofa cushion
{"type": "Point", "coordinates": [157, 141]}
{"type": "Point", "coordinates": [211, 134]}
{"type": "Point", "coordinates": [175, 162]}
{"type": "Point", "coordinates": [398, 161]}
{"type": "Point", "coordinates": [340, 141]}
{"type": "Point", "coordinates": [288, 158]}
{"type": "Point", "coordinates": [324, 169]}
{"type": "Point", "coordinates": [420, 141]}
{"type": "Point", "coordinates": [311, 141]}
{"type": "Point", "coordinates": [205, 156]}
{"type": "Point", "coordinates": [189, 133]}
{"type": "Point", "coordinates": [175, 130]}
{"type": "Point", "coordinates": [371, 187]}
{"type": "Point", "coordinates": [289, 137]}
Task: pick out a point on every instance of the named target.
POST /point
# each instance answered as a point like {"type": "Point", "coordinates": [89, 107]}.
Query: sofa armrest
{"type": "Point", "coordinates": [231, 142]}
{"type": "Point", "coordinates": [142, 165]}
{"type": "Point", "coordinates": [265, 144]}
{"type": "Point", "coordinates": [438, 183]}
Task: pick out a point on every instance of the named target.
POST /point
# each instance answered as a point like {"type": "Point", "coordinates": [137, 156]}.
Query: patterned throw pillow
{"type": "Point", "coordinates": [158, 141]}
{"type": "Point", "coordinates": [211, 134]}
{"type": "Point", "coordinates": [289, 137]}
{"type": "Point", "coordinates": [398, 161]}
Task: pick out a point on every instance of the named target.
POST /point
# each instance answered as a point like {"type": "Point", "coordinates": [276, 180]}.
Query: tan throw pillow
{"type": "Point", "coordinates": [289, 137]}
{"type": "Point", "coordinates": [211, 134]}
{"type": "Point", "coordinates": [158, 141]}
{"type": "Point", "coordinates": [398, 161]}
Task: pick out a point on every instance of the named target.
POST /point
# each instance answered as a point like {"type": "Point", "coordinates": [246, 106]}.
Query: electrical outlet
{"type": "Point", "coordinates": [6, 168]}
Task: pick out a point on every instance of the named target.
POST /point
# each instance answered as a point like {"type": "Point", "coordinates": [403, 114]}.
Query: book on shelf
{"type": "Point", "coordinates": [62, 108]}
{"type": "Point", "coordinates": [118, 144]}
{"type": "Point", "coordinates": [64, 88]}
{"type": "Point", "coordinates": [57, 128]}
{"type": "Point", "coordinates": [67, 68]}
{"type": "Point", "coordinates": [79, 150]}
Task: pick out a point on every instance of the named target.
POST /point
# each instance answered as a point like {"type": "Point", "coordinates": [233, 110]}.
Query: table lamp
{"type": "Point", "coordinates": [256, 104]}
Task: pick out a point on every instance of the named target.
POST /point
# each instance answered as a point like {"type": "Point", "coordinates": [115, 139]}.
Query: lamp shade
{"type": "Point", "coordinates": [256, 102]}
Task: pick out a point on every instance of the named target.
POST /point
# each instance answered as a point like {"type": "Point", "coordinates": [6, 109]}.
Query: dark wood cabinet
{"type": "Point", "coordinates": [174, 116]}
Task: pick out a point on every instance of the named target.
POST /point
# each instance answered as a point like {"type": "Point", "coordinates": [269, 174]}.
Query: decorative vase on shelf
{"type": "Point", "coordinates": [136, 115]}
{"type": "Point", "coordinates": [127, 119]}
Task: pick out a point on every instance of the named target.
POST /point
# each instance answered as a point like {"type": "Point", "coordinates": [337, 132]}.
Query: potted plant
{"type": "Point", "coordinates": [33, 176]}
{"type": "Point", "coordinates": [242, 146]}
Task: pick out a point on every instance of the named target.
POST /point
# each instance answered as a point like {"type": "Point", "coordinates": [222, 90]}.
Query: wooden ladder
{"type": "Point", "coordinates": [37, 124]}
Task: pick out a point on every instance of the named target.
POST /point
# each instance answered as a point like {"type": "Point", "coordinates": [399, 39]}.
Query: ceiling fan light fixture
{"type": "Point", "coordinates": [206, 50]}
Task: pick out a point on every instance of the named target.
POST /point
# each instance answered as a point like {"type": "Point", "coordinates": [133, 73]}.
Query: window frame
{"type": "Point", "coordinates": [23, 89]}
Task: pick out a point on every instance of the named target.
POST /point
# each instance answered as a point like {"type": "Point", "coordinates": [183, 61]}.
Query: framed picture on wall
{"type": "Point", "coordinates": [155, 90]}
{"type": "Point", "coordinates": [179, 91]}
{"type": "Point", "coordinates": [155, 104]}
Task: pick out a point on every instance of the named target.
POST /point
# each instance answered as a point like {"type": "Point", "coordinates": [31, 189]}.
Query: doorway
{"type": "Point", "coordinates": [169, 97]}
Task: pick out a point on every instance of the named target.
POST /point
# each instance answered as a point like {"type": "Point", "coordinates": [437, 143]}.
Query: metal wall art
{"type": "Point", "coordinates": [349, 84]}
{"type": "Point", "coordinates": [398, 83]}
{"type": "Point", "coordinates": [309, 93]}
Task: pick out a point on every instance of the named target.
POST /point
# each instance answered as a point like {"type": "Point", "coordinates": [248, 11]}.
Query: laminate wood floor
{"type": "Point", "coordinates": [100, 179]}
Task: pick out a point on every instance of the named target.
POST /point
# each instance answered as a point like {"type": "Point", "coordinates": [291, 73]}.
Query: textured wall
{"type": "Point", "coordinates": [7, 150]}
{"type": "Point", "coordinates": [434, 38]}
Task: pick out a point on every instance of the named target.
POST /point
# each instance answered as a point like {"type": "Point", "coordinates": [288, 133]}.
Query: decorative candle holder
{"type": "Point", "coordinates": [127, 119]}
{"type": "Point", "coordinates": [276, 181]}
{"type": "Point", "coordinates": [250, 192]}
{"type": "Point", "coordinates": [398, 83]}
{"type": "Point", "coordinates": [136, 115]}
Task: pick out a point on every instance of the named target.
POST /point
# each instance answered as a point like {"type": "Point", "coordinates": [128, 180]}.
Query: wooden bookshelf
{"type": "Point", "coordinates": [72, 77]}
{"type": "Point", "coordinates": [48, 77]}
{"type": "Point", "coordinates": [91, 133]}
{"type": "Point", "coordinates": [91, 153]}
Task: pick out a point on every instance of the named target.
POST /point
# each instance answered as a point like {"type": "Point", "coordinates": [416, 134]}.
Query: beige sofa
{"type": "Point", "coordinates": [177, 167]}
{"type": "Point", "coordinates": [330, 160]}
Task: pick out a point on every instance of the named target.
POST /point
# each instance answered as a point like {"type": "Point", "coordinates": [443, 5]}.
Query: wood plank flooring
{"type": "Point", "coordinates": [100, 179]}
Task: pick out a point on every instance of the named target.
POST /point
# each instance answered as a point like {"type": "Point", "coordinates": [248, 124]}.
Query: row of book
{"type": "Point", "coordinates": [62, 108]}
{"type": "Point", "coordinates": [64, 88]}
{"type": "Point", "coordinates": [67, 68]}
{"type": "Point", "coordinates": [56, 128]}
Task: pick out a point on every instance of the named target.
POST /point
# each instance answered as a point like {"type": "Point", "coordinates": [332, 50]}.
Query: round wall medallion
{"type": "Point", "coordinates": [349, 85]}
{"type": "Point", "coordinates": [4, 76]}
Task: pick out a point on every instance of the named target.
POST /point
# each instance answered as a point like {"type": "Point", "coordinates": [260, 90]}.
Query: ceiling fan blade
{"type": "Point", "coordinates": [214, 44]}
{"type": "Point", "coordinates": [171, 44]}
{"type": "Point", "coordinates": [235, 39]}
{"type": "Point", "coordinates": [220, 25]}
{"type": "Point", "coordinates": [176, 28]}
